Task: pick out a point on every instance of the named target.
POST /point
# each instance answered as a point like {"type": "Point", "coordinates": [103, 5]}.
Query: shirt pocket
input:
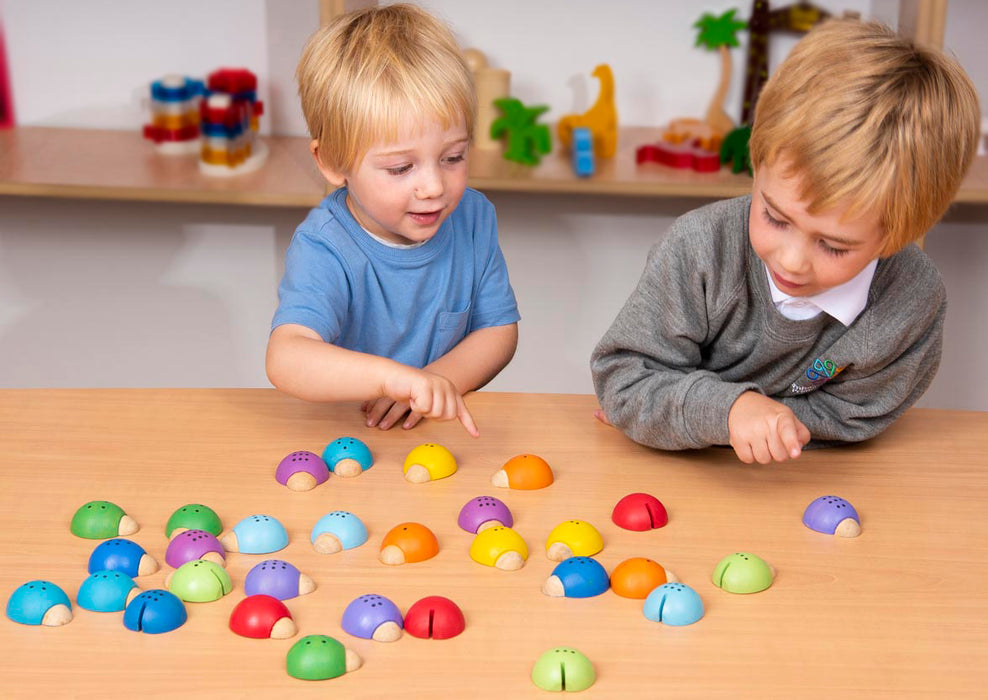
{"type": "Point", "coordinates": [451, 330]}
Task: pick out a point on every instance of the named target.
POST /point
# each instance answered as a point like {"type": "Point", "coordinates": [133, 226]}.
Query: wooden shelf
{"type": "Point", "coordinates": [121, 165]}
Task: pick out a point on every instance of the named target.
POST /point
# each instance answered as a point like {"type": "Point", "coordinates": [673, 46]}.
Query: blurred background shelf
{"type": "Point", "coordinates": [121, 165]}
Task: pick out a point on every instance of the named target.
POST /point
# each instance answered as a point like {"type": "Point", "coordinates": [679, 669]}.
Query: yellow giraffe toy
{"type": "Point", "coordinates": [601, 118]}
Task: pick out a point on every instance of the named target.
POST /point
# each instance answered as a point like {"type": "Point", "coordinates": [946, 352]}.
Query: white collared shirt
{"type": "Point", "coordinates": [845, 302]}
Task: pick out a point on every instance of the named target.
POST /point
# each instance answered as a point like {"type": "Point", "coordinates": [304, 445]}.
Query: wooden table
{"type": "Point", "coordinates": [900, 611]}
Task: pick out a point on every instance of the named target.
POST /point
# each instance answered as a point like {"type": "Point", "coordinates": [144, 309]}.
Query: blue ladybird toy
{"type": "Point", "coordinates": [337, 531]}
{"type": "Point", "coordinates": [256, 534]}
{"type": "Point", "coordinates": [577, 577]}
{"type": "Point", "coordinates": [673, 604]}
{"type": "Point", "coordinates": [347, 456]}
{"type": "Point", "coordinates": [122, 555]}
{"type": "Point", "coordinates": [107, 591]}
{"type": "Point", "coordinates": [154, 612]}
{"type": "Point", "coordinates": [39, 603]}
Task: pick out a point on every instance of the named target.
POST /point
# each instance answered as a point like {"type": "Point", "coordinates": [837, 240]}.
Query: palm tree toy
{"type": "Point", "coordinates": [719, 33]}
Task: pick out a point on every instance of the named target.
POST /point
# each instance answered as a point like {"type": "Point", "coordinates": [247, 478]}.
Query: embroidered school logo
{"type": "Point", "coordinates": [820, 372]}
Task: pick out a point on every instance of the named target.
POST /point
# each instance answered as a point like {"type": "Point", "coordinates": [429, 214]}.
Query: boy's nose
{"type": "Point", "coordinates": [792, 259]}
{"type": "Point", "coordinates": [430, 185]}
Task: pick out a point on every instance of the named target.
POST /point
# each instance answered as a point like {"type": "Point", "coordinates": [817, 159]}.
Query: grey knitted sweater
{"type": "Point", "coordinates": [700, 329]}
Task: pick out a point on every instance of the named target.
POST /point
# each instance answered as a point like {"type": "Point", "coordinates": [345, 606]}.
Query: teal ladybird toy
{"type": "Point", "coordinates": [318, 658]}
{"type": "Point", "coordinates": [563, 668]}
{"type": "Point", "coordinates": [256, 534]}
{"type": "Point", "coordinates": [673, 604]}
{"type": "Point", "coordinates": [98, 520]}
{"type": "Point", "coordinates": [347, 456]}
{"type": "Point", "coordinates": [39, 603]}
{"type": "Point", "coordinates": [107, 591]}
{"type": "Point", "coordinates": [155, 612]}
{"type": "Point", "coordinates": [199, 581]}
{"type": "Point", "coordinates": [743, 573]}
{"type": "Point", "coordinates": [193, 516]}
{"type": "Point", "coordinates": [337, 531]}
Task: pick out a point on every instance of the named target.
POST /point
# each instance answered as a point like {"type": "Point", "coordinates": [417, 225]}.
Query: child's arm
{"type": "Point", "coordinates": [645, 368]}
{"type": "Point", "coordinates": [472, 363]}
{"type": "Point", "coordinates": [301, 364]}
{"type": "Point", "coordinates": [859, 407]}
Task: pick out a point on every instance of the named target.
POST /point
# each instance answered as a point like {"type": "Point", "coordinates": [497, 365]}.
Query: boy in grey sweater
{"type": "Point", "coordinates": [801, 314]}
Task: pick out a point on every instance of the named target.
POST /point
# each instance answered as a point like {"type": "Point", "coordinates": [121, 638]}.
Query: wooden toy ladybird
{"type": "Point", "coordinates": [347, 456]}
{"type": "Point", "coordinates": [483, 512]}
{"type": "Point", "coordinates": [262, 617]}
{"type": "Point", "coordinates": [98, 520]}
{"type": "Point", "coordinates": [500, 547]}
{"type": "Point", "coordinates": [39, 603]}
{"type": "Point", "coordinates": [317, 657]}
{"type": "Point", "coordinates": [573, 538]}
{"type": "Point", "coordinates": [429, 462]}
{"type": "Point", "coordinates": [277, 578]}
{"type": "Point", "coordinates": [337, 531]}
{"type": "Point", "coordinates": [155, 612]}
{"type": "Point", "coordinates": [193, 516]}
{"type": "Point", "coordinates": [434, 617]}
{"type": "Point", "coordinates": [301, 471]}
{"type": "Point", "coordinates": [743, 573]}
{"type": "Point", "coordinates": [832, 515]}
{"type": "Point", "coordinates": [525, 472]}
{"type": "Point", "coordinates": [199, 581]}
{"type": "Point", "coordinates": [107, 591]}
{"type": "Point", "coordinates": [194, 544]}
{"type": "Point", "coordinates": [256, 534]}
{"type": "Point", "coordinates": [374, 617]}
{"type": "Point", "coordinates": [638, 576]}
{"type": "Point", "coordinates": [563, 669]}
{"type": "Point", "coordinates": [407, 543]}
{"type": "Point", "coordinates": [673, 604]}
{"type": "Point", "coordinates": [122, 555]}
{"type": "Point", "coordinates": [639, 512]}
{"type": "Point", "coordinates": [577, 577]}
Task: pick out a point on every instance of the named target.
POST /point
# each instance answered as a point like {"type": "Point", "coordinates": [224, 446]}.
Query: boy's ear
{"type": "Point", "coordinates": [333, 176]}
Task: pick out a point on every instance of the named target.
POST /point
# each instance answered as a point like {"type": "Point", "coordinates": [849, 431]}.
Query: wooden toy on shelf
{"type": "Point", "coordinates": [601, 118]}
{"type": "Point", "coordinates": [490, 84]}
{"type": "Point", "coordinates": [719, 34]}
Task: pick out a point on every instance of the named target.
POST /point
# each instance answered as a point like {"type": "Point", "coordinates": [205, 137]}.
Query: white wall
{"type": "Point", "coordinates": [134, 294]}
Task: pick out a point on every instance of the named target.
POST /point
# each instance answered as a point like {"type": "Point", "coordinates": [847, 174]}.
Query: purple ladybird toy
{"type": "Point", "coordinates": [278, 579]}
{"type": "Point", "coordinates": [373, 617]}
{"type": "Point", "coordinates": [301, 471]}
{"type": "Point", "coordinates": [194, 544]}
{"type": "Point", "coordinates": [832, 515]}
{"type": "Point", "coordinates": [483, 512]}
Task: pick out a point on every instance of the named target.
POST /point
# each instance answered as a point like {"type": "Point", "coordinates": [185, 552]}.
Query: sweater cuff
{"type": "Point", "coordinates": [707, 405]}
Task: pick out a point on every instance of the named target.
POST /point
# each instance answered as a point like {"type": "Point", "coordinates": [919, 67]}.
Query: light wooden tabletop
{"type": "Point", "coordinates": [901, 611]}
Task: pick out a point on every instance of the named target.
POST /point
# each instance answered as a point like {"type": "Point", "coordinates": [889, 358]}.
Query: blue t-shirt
{"type": "Point", "coordinates": [412, 305]}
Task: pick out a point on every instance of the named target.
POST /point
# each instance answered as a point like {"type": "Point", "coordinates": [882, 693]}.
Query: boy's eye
{"type": "Point", "coordinates": [772, 221]}
{"type": "Point", "coordinates": [454, 159]}
{"type": "Point", "coordinates": [399, 169]}
{"type": "Point", "coordinates": [830, 250]}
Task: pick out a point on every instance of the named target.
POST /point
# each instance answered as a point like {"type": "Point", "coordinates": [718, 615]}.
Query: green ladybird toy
{"type": "Point", "coordinates": [563, 668]}
{"type": "Point", "coordinates": [318, 658]}
{"type": "Point", "coordinates": [743, 573]}
{"type": "Point", "coordinates": [193, 516]}
{"type": "Point", "coordinates": [199, 581]}
{"type": "Point", "coordinates": [98, 520]}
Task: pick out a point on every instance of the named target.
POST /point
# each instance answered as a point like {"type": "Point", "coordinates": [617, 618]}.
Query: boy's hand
{"type": "Point", "coordinates": [427, 395]}
{"type": "Point", "coordinates": [385, 412]}
{"type": "Point", "coordinates": [764, 430]}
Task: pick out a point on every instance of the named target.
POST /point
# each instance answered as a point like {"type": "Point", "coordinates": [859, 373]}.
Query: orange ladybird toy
{"type": "Point", "coordinates": [637, 577]}
{"type": "Point", "coordinates": [525, 472]}
{"type": "Point", "coordinates": [407, 543]}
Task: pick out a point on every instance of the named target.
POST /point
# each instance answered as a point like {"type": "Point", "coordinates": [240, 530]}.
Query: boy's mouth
{"type": "Point", "coordinates": [425, 218]}
{"type": "Point", "coordinates": [784, 284]}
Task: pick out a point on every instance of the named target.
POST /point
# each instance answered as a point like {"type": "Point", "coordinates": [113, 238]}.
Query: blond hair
{"type": "Point", "coordinates": [367, 72]}
{"type": "Point", "coordinates": [868, 120]}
